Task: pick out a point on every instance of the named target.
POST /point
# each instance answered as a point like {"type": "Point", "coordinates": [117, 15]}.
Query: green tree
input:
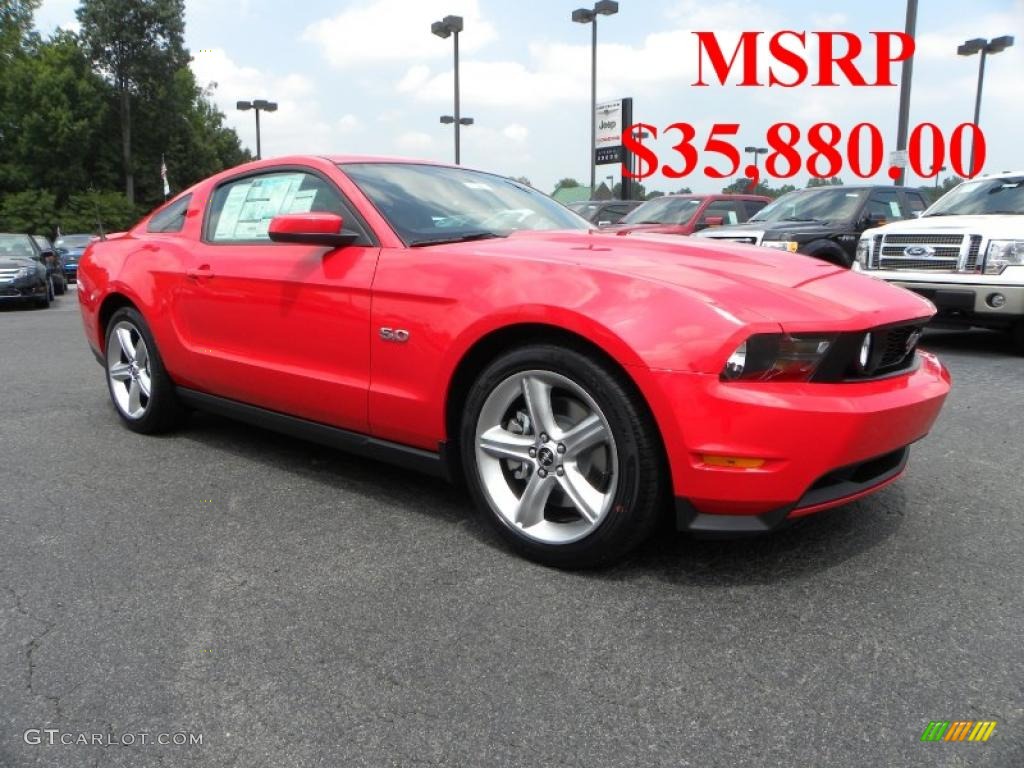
{"type": "Point", "coordinates": [91, 210]}
{"type": "Point", "coordinates": [55, 120]}
{"type": "Point", "coordinates": [523, 180]}
{"type": "Point", "coordinates": [567, 182]}
{"type": "Point", "coordinates": [32, 212]}
{"type": "Point", "coordinates": [136, 45]}
{"type": "Point", "coordinates": [15, 27]}
{"type": "Point", "coordinates": [834, 181]}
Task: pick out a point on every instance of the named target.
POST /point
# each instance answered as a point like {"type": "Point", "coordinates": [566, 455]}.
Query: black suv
{"type": "Point", "coordinates": [825, 222]}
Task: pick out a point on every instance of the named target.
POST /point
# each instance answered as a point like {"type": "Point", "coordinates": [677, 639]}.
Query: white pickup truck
{"type": "Point", "coordinates": [965, 254]}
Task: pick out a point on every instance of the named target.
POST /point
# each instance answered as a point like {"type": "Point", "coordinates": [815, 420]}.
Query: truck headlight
{"type": "Point", "coordinates": [1002, 254]}
{"type": "Point", "coordinates": [782, 245]}
{"type": "Point", "coordinates": [863, 252]}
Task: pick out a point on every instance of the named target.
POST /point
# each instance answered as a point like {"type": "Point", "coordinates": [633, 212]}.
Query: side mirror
{"type": "Point", "coordinates": [310, 229]}
{"type": "Point", "coordinates": [714, 221]}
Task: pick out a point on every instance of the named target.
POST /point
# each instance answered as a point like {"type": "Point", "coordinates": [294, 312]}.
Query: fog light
{"type": "Point", "coordinates": [995, 300]}
{"type": "Point", "coordinates": [865, 352]}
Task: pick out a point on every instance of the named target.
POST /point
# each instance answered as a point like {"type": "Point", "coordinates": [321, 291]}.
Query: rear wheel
{"type": "Point", "coordinates": [561, 457]}
{"type": "Point", "coordinates": [142, 392]}
{"type": "Point", "coordinates": [60, 285]}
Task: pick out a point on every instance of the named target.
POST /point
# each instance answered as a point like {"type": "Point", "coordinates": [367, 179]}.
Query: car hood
{"type": "Point", "coordinates": [992, 225]}
{"type": "Point", "coordinates": [16, 263]}
{"type": "Point", "coordinates": [795, 228]}
{"type": "Point", "coordinates": [798, 292]}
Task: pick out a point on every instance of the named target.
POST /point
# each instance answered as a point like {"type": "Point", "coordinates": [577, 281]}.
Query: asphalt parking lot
{"type": "Point", "coordinates": [300, 607]}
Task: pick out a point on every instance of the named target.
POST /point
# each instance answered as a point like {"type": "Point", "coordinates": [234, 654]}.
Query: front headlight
{"type": "Point", "coordinates": [863, 252]}
{"type": "Point", "coordinates": [782, 245]}
{"type": "Point", "coordinates": [1002, 254]}
{"type": "Point", "coordinates": [777, 357]}
{"type": "Point", "coordinates": [26, 272]}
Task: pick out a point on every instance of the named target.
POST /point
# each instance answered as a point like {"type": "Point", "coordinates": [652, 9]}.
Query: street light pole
{"type": "Point", "coordinates": [257, 105]}
{"type": "Point", "coordinates": [756, 152]}
{"type": "Point", "coordinates": [906, 79]}
{"type": "Point", "coordinates": [589, 16]}
{"type": "Point", "coordinates": [450, 26]}
{"type": "Point", "coordinates": [984, 47]}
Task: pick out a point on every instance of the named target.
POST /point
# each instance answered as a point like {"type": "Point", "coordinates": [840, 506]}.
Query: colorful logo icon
{"type": "Point", "coordinates": [958, 730]}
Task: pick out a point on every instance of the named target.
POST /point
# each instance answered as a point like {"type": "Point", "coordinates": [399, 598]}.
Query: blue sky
{"type": "Point", "coordinates": [366, 76]}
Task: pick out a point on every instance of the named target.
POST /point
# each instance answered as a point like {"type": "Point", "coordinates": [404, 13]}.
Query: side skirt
{"type": "Point", "coordinates": [426, 462]}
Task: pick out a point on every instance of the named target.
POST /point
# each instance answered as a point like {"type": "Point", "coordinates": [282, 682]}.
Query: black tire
{"type": "Point", "coordinates": [640, 495]}
{"type": "Point", "coordinates": [163, 411]}
{"type": "Point", "coordinates": [828, 251]}
{"type": "Point", "coordinates": [44, 302]}
{"type": "Point", "coordinates": [1017, 334]}
{"type": "Point", "coordinates": [60, 285]}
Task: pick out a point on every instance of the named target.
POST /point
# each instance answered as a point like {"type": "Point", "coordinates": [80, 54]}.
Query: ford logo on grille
{"type": "Point", "coordinates": [919, 251]}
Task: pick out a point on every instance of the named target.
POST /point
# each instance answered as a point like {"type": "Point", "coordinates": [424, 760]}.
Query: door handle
{"type": "Point", "coordinates": [202, 271]}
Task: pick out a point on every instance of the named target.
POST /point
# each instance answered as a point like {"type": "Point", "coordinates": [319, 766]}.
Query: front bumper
{"type": "Point", "coordinates": [28, 288]}
{"type": "Point", "coordinates": [820, 445]}
{"type": "Point", "coordinates": [971, 304]}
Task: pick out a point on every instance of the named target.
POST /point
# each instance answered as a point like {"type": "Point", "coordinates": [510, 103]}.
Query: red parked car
{"type": "Point", "coordinates": [464, 324]}
{"type": "Point", "coordinates": [686, 214]}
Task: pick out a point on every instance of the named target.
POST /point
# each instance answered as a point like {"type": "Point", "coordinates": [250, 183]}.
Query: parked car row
{"type": "Point", "coordinates": [33, 270]}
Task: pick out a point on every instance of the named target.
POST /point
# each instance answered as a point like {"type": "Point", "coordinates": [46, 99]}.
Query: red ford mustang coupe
{"type": "Point", "coordinates": [460, 323]}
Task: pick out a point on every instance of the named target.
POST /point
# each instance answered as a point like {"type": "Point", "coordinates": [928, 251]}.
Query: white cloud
{"type": "Point", "coordinates": [415, 142]}
{"type": "Point", "coordinates": [396, 30]}
{"type": "Point", "coordinates": [298, 125]}
{"type": "Point", "coordinates": [348, 124]}
{"type": "Point", "coordinates": [516, 132]}
{"type": "Point", "coordinates": [414, 78]}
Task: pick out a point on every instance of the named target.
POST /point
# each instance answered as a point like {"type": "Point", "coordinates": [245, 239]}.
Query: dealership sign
{"type": "Point", "coordinates": [612, 117]}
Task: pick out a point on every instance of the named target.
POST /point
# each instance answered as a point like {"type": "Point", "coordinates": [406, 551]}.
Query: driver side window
{"type": "Point", "coordinates": [884, 205]}
{"type": "Point", "coordinates": [242, 209]}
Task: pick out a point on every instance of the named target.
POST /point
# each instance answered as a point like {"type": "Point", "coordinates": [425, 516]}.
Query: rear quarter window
{"type": "Point", "coordinates": [170, 218]}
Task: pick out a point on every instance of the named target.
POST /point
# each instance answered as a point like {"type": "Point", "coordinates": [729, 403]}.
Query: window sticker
{"type": "Point", "coordinates": [251, 205]}
{"type": "Point", "coordinates": [894, 208]}
{"type": "Point", "coordinates": [732, 217]}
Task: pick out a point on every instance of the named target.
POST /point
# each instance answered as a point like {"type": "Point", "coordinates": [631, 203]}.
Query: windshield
{"type": "Point", "coordinates": [72, 241]}
{"type": "Point", "coordinates": [664, 210]}
{"type": "Point", "coordinates": [16, 247]}
{"type": "Point", "coordinates": [429, 204]}
{"type": "Point", "coordinates": [813, 205]}
{"type": "Point", "coordinates": [586, 210]}
{"type": "Point", "coordinates": [985, 196]}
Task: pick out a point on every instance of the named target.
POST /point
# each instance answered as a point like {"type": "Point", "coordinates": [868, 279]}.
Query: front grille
{"type": "Point", "coordinates": [893, 350]}
{"type": "Point", "coordinates": [895, 347]}
{"type": "Point", "coordinates": [947, 253]}
{"type": "Point", "coordinates": [972, 254]}
{"type": "Point", "coordinates": [924, 240]}
{"type": "Point", "coordinates": [8, 274]}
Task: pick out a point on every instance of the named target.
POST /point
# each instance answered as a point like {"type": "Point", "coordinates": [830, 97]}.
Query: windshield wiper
{"type": "Point", "coordinates": [465, 238]}
{"type": "Point", "coordinates": [799, 218]}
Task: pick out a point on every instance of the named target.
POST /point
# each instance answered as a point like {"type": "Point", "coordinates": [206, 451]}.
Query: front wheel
{"type": "Point", "coordinates": [142, 392]}
{"type": "Point", "coordinates": [44, 301]}
{"type": "Point", "coordinates": [562, 457]}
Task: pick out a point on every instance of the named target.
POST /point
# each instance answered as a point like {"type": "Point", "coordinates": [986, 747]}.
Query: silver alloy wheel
{"type": "Point", "coordinates": [128, 370]}
{"type": "Point", "coordinates": [546, 457]}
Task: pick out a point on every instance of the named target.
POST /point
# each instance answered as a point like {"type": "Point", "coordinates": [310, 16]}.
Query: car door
{"type": "Point", "coordinates": [282, 326]}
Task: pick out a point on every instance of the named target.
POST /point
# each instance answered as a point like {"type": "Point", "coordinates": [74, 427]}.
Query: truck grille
{"type": "Point", "coordinates": [927, 253]}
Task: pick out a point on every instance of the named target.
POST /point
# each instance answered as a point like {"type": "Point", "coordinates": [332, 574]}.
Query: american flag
{"type": "Point", "coordinates": [163, 175]}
